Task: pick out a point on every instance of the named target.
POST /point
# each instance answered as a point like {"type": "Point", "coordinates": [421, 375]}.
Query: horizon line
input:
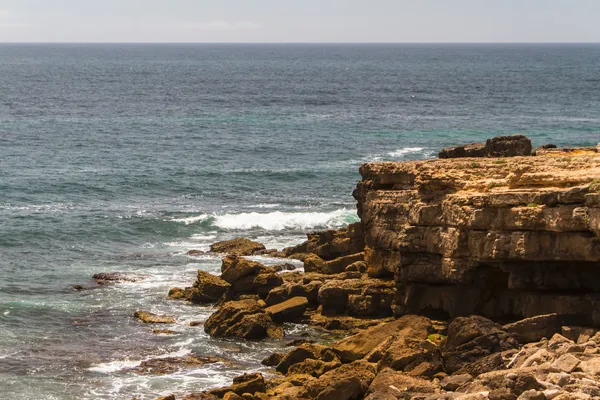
{"type": "Point", "coordinates": [285, 43]}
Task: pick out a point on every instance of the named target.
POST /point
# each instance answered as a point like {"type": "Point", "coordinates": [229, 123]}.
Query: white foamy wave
{"type": "Point", "coordinates": [114, 366]}
{"type": "Point", "coordinates": [406, 150]}
{"type": "Point", "coordinates": [278, 220]}
{"type": "Point", "coordinates": [192, 220]}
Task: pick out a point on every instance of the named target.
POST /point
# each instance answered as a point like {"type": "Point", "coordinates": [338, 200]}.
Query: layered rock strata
{"type": "Point", "coordinates": [500, 237]}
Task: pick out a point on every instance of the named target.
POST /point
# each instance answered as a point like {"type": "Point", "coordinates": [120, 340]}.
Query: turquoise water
{"type": "Point", "coordinates": [124, 157]}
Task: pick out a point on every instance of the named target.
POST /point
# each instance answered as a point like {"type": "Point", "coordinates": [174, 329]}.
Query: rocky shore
{"type": "Point", "coordinates": [471, 276]}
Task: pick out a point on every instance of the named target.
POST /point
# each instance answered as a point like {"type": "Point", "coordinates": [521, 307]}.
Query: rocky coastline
{"type": "Point", "coordinates": [471, 276]}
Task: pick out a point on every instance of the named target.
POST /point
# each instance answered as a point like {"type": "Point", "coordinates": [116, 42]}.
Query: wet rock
{"type": "Point", "coordinates": [508, 146]}
{"type": "Point", "coordinates": [244, 319]}
{"type": "Point", "coordinates": [169, 397]}
{"type": "Point", "coordinates": [177, 294]}
{"type": "Point", "coordinates": [170, 365]}
{"type": "Point", "coordinates": [150, 318]}
{"type": "Point", "coordinates": [273, 360]}
{"type": "Point", "coordinates": [247, 383]}
{"type": "Point", "coordinates": [284, 267]}
{"type": "Point", "coordinates": [207, 288]}
{"type": "Point", "coordinates": [164, 332]}
{"type": "Point", "coordinates": [112, 277]}
{"type": "Point", "coordinates": [78, 287]}
{"type": "Point", "coordinates": [237, 247]}
{"type": "Point", "coordinates": [195, 253]}
{"type": "Point", "coordinates": [289, 310]}
{"type": "Point", "coordinates": [465, 150]}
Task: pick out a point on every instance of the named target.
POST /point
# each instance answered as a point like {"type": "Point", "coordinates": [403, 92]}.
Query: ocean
{"type": "Point", "coordinates": [124, 157]}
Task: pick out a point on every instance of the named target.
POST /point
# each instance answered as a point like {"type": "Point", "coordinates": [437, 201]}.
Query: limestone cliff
{"type": "Point", "coordinates": [501, 237]}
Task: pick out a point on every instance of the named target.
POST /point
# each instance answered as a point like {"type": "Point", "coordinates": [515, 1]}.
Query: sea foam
{"type": "Point", "coordinates": [276, 221]}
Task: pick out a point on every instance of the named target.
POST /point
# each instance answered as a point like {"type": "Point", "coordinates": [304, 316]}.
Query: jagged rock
{"type": "Point", "coordinates": [465, 150]}
{"type": "Point", "coordinates": [390, 384]}
{"type": "Point", "coordinates": [301, 353]}
{"type": "Point", "coordinates": [149, 318]}
{"type": "Point", "coordinates": [508, 146]}
{"type": "Point", "coordinates": [396, 344]}
{"type": "Point", "coordinates": [314, 368]}
{"type": "Point", "coordinates": [244, 319]}
{"type": "Point", "coordinates": [289, 310]}
{"type": "Point", "coordinates": [169, 397]}
{"type": "Point", "coordinates": [247, 383]}
{"type": "Point", "coordinates": [284, 267]}
{"type": "Point", "coordinates": [234, 268]}
{"type": "Point", "coordinates": [237, 247]}
{"type": "Point", "coordinates": [350, 381]}
{"type": "Point", "coordinates": [375, 297]}
{"type": "Point", "coordinates": [261, 283]}
{"type": "Point", "coordinates": [331, 244]}
{"type": "Point", "coordinates": [471, 339]}
{"type": "Point", "coordinates": [290, 290]}
{"type": "Point", "coordinates": [207, 288]}
{"type": "Point", "coordinates": [578, 334]}
{"type": "Point", "coordinates": [177, 293]}
{"type": "Point", "coordinates": [534, 328]}
{"type": "Point", "coordinates": [273, 360]}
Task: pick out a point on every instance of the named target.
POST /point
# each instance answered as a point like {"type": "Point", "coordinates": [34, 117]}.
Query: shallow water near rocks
{"type": "Point", "coordinates": [121, 158]}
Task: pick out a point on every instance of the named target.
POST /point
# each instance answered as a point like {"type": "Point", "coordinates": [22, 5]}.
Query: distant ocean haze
{"type": "Point", "coordinates": [124, 157]}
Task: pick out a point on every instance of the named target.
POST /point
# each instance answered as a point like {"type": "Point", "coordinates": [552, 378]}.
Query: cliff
{"type": "Point", "coordinates": [501, 237]}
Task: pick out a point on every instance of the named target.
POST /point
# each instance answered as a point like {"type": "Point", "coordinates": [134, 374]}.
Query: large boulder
{"type": "Point", "coordinates": [473, 339]}
{"type": "Point", "coordinates": [237, 247]}
{"type": "Point", "coordinates": [360, 297]}
{"type": "Point", "coordinates": [465, 150]}
{"type": "Point", "coordinates": [234, 268]}
{"type": "Point", "coordinates": [289, 310]}
{"type": "Point", "coordinates": [390, 384]}
{"type": "Point", "coordinates": [207, 288]}
{"type": "Point", "coordinates": [306, 351]}
{"type": "Point", "coordinates": [244, 319]}
{"type": "Point", "coordinates": [350, 381]}
{"type": "Point", "coordinates": [247, 383]}
{"type": "Point", "coordinates": [508, 146]}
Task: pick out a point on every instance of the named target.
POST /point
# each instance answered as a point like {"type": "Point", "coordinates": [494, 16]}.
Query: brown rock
{"type": "Point", "coordinates": [244, 319]}
{"type": "Point", "coordinates": [466, 150]}
{"type": "Point", "coordinates": [232, 396]}
{"type": "Point", "coordinates": [177, 293]}
{"type": "Point", "coordinates": [169, 365]}
{"type": "Point", "coordinates": [350, 381]}
{"type": "Point", "coordinates": [235, 268]}
{"type": "Point", "coordinates": [112, 277]}
{"type": "Point", "coordinates": [237, 247]}
{"type": "Point", "coordinates": [169, 397]}
{"type": "Point", "coordinates": [566, 363]}
{"type": "Point", "coordinates": [535, 328]}
{"type": "Point", "coordinates": [471, 339]}
{"type": "Point", "coordinates": [247, 383]}
{"type": "Point", "coordinates": [207, 288]}
{"type": "Point", "coordinates": [195, 253]}
{"type": "Point", "coordinates": [508, 146]}
{"type": "Point", "coordinates": [299, 354]}
{"type": "Point", "coordinates": [273, 360]}
{"type": "Point", "coordinates": [331, 244]}
{"type": "Point", "coordinates": [289, 310]}
{"type": "Point", "coordinates": [150, 318]}
{"type": "Point", "coordinates": [390, 384]}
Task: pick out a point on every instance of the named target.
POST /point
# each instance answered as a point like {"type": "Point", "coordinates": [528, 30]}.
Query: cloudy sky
{"type": "Point", "coordinates": [299, 21]}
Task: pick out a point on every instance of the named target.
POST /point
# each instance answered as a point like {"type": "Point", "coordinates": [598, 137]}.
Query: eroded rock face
{"type": "Point", "coordinates": [331, 244]}
{"type": "Point", "coordinates": [501, 237]}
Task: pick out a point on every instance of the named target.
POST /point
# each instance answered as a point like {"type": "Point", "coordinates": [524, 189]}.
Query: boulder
{"type": "Point", "coordinates": [301, 353]}
{"type": "Point", "coordinates": [465, 150]}
{"type": "Point", "coordinates": [247, 383]}
{"type": "Point", "coordinates": [350, 381]}
{"type": "Point", "coordinates": [471, 339]}
{"type": "Point", "coordinates": [390, 384]}
{"type": "Point", "coordinates": [408, 332]}
{"type": "Point", "coordinates": [244, 319]}
{"type": "Point", "coordinates": [508, 146]}
{"type": "Point", "coordinates": [149, 318]}
{"type": "Point", "coordinates": [534, 328]}
{"type": "Point", "coordinates": [260, 284]}
{"type": "Point", "coordinates": [237, 247]}
{"type": "Point", "coordinates": [289, 310]}
{"type": "Point", "coordinates": [207, 288]}
{"type": "Point", "coordinates": [331, 244]}
{"type": "Point", "coordinates": [234, 268]}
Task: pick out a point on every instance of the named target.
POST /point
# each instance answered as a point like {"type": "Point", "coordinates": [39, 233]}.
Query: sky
{"type": "Point", "coordinates": [396, 21]}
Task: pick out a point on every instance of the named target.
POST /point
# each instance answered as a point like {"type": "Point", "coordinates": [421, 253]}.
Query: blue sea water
{"type": "Point", "coordinates": [124, 157]}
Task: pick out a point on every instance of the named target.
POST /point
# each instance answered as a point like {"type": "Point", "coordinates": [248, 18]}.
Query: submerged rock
{"type": "Point", "coordinates": [150, 318]}
{"type": "Point", "coordinates": [111, 277]}
{"type": "Point", "coordinates": [170, 365]}
{"type": "Point", "coordinates": [237, 247]}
